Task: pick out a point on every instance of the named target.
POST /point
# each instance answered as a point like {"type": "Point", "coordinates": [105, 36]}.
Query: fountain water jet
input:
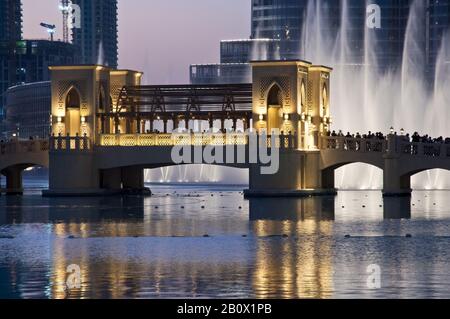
{"type": "Point", "coordinates": [365, 98]}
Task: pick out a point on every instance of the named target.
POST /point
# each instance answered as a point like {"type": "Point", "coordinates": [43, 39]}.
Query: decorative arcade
{"type": "Point", "coordinates": [107, 128]}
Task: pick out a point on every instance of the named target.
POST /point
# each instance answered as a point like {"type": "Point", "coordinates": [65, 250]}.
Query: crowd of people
{"type": "Point", "coordinates": [415, 138]}
{"type": "Point", "coordinates": [370, 135]}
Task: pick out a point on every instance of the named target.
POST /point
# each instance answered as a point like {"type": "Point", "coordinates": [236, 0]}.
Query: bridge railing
{"type": "Point", "coordinates": [394, 144]}
{"type": "Point", "coordinates": [23, 146]}
{"type": "Point", "coordinates": [424, 149]}
{"type": "Point", "coordinates": [199, 139]}
{"type": "Point", "coordinates": [361, 145]}
{"type": "Point", "coordinates": [70, 143]}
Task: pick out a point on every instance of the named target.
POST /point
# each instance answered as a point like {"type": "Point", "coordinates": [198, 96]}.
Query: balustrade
{"type": "Point", "coordinates": [23, 146]}
{"type": "Point", "coordinates": [199, 139]}
{"type": "Point", "coordinates": [353, 144]}
{"type": "Point", "coordinates": [69, 143]}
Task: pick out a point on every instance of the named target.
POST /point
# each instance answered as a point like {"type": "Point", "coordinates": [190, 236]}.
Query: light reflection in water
{"type": "Point", "coordinates": [305, 270]}
{"type": "Point", "coordinates": [141, 248]}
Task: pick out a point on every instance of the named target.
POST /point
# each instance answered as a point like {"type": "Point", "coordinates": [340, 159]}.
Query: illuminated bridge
{"type": "Point", "coordinates": [107, 129]}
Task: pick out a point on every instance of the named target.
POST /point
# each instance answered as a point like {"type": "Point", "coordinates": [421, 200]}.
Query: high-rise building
{"type": "Point", "coordinates": [296, 24]}
{"type": "Point", "coordinates": [97, 36]}
{"type": "Point", "coordinates": [27, 61]}
{"type": "Point", "coordinates": [282, 20]}
{"type": "Point", "coordinates": [10, 20]}
{"type": "Point", "coordinates": [438, 26]}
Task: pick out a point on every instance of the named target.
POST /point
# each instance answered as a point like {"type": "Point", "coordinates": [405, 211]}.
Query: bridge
{"type": "Point", "coordinates": [16, 156]}
{"type": "Point", "coordinates": [107, 128]}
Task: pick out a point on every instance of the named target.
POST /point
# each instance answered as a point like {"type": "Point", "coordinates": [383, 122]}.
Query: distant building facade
{"type": "Point", "coordinates": [27, 61]}
{"type": "Point", "coordinates": [10, 20]}
{"type": "Point", "coordinates": [438, 26]}
{"type": "Point", "coordinates": [27, 111]}
{"type": "Point", "coordinates": [234, 58]}
{"type": "Point", "coordinates": [97, 36]}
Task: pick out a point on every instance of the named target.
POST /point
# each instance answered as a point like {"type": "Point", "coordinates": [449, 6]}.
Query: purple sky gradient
{"type": "Point", "coordinates": [160, 37]}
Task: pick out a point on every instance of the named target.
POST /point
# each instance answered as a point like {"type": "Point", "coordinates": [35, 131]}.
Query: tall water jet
{"type": "Point", "coordinates": [414, 99]}
{"type": "Point", "coordinates": [437, 115]}
{"type": "Point", "coordinates": [100, 54]}
{"type": "Point", "coordinates": [316, 44]}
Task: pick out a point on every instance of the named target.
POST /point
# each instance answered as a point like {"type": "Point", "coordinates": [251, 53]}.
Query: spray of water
{"type": "Point", "coordinates": [100, 54]}
{"type": "Point", "coordinates": [367, 99]}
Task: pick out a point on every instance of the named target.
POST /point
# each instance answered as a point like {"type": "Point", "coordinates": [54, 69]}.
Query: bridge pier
{"type": "Point", "coordinates": [133, 181]}
{"type": "Point", "coordinates": [393, 184]}
{"type": "Point", "coordinates": [299, 175]}
{"type": "Point", "coordinates": [14, 184]}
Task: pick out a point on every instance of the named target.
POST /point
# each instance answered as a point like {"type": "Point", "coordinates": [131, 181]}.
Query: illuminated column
{"type": "Point", "coordinates": [320, 92]}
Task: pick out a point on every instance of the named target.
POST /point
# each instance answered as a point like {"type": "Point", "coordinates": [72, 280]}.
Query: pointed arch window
{"type": "Point", "coordinates": [73, 100]}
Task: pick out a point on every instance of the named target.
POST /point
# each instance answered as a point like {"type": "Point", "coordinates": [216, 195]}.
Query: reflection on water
{"type": "Point", "coordinates": [397, 208]}
{"type": "Point", "coordinates": [212, 243]}
{"type": "Point", "coordinates": [304, 266]}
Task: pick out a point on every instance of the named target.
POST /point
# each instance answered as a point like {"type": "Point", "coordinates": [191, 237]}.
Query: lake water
{"type": "Point", "coordinates": [155, 247]}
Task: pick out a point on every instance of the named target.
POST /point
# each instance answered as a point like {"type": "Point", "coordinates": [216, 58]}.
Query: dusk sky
{"type": "Point", "coordinates": [160, 37]}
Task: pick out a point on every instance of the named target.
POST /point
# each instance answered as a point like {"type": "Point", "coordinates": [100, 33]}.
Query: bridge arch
{"type": "Point", "coordinates": [133, 176]}
{"type": "Point", "coordinates": [13, 171]}
{"type": "Point", "coordinates": [406, 177]}
{"type": "Point", "coordinates": [329, 172]}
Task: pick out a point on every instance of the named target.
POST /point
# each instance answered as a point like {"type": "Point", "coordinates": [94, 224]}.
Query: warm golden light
{"type": "Point", "coordinates": [137, 140]}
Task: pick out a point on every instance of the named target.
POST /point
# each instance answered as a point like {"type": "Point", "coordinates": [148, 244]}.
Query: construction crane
{"type": "Point", "coordinates": [66, 10]}
{"type": "Point", "coordinates": [51, 28]}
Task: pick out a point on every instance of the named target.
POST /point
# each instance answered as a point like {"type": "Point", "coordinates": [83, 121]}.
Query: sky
{"type": "Point", "coordinates": [160, 37]}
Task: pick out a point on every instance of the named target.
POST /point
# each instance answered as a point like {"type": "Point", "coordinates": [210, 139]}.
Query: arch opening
{"type": "Point", "coordinates": [73, 116]}
{"type": "Point", "coordinates": [102, 100]}
{"type": "Point", "coordinates": [274, 108]}
{"type": "Point", "coordinates": [430, 179]}
{"type": "Point", "coordinates": [353, 176]}
{"type": "Point", "coordinates": [197, 174]}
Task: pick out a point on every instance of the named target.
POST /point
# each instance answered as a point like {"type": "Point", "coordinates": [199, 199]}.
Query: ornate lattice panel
{"type": "Point", "coordinates": [309, 94]}
{"type": "Point", "coordinates": [63, 89]}
{"type": "Point", "coordinates": [283, 82]}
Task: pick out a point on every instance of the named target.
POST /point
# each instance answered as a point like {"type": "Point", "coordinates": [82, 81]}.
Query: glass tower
{"type": "Point", "coordinates": [97, 38]}
{"type": "Point", "coordinates": [317, 29]}
{"type": "Point", "coordinates": [10, 20]}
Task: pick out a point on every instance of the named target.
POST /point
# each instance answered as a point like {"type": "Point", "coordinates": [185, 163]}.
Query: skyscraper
{"type": "Point", "coordinates": [330, 29]}
{"type": "Point", "coordinates": [438, 27]}
{"type": "Point", "coordinates": [10, 20]}
{"type": "Point", "coordinates": [97, 35]}
{"type": "Point", "coordinates": [26, 61]}
{"type": "Point", "coordinates": [282, 20]}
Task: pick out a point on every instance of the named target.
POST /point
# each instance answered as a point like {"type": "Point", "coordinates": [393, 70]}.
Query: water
{"type": "Point", "coordinates": [133, 247]}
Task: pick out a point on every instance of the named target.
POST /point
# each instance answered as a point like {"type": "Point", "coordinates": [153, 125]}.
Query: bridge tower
{"type": "Point", "coordinates": [291, 97]}
{"type": "Point", "coordinates": [80, 95]}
